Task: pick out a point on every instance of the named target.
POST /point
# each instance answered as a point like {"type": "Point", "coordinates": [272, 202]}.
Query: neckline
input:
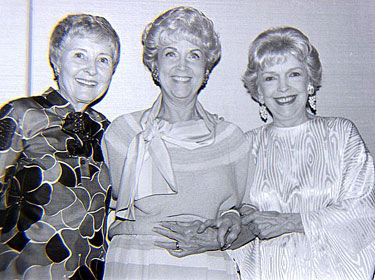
{"type": "Point", "coordinates": [288, 128]}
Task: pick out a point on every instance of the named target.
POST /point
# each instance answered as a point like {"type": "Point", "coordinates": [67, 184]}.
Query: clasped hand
{"type": "Point", "coordinates": [271, 224]}
{"type": "Point", "coordinates": [198, 237]}
{"type": "Point", "coordinates": [214, 234]}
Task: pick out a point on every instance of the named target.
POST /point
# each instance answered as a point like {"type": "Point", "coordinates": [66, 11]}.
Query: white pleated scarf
{"type": "Point", "coordinates": [150, 142]}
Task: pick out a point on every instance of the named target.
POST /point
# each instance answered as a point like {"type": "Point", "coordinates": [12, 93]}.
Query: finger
{"type": "Point", "coordinates": [185, 224]}
{"type": "Point", "coordinates": [197, 222]}
{"type": "Point", "coordinates": [167, 233]}
{"type": "Point", "coordinates": [254, 229]}
{"type": "Point", "coordinates": [206, 224]}
{"type": "Point", "coordinates": [232, 236]}
{"type": "Point", "coordinates": [172, 226]}
{"type": "Point", "coordinates": [166, 245]}
{"type": "Point", "coordinates": [252, 226]}
{"type": "Point", "coordinates": [265, 226]}
{"type": "Point", "coordinates": [178, 254]}
{"type": "Point", "coordinates": [249, 218]}
{"type": "Point", "coordinates": [221, 235]}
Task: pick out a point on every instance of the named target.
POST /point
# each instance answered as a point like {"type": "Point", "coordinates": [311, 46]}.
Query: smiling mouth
{"type": "Point", "coordinates": [86, 83]}
{"type": "Point", "coordinates": [285, 100]}
{"type": "Point", "coordinates": [181, 79]}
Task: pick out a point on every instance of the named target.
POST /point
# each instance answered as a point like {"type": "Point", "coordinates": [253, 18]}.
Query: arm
{"type": "Point", "coordinates": [10, 147]}
{"type": "Point", "coordinates": [114, 150]}
{"type": "Point", "coordinates": [270, 224]}
{"type": "Point", "coordinates": [344, 231]}
{"type": "Point", "coordinates": [190, 242]}
{"type": "Point", "coordinates": [229, 222]}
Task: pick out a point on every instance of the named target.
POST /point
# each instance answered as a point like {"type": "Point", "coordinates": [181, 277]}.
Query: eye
{"type": "Point", "coordinates": [104, 60]}
{"type": "Point", "coordinates": [79, 55]}
{"type": "Point", "coordinates": [269, 78]}
{"type": "Point", "coordinates": [170, 54]}
{"type": "Point", "coordinates": [295, 74]}
{"type": "Point", "coordinates": [195, 55]}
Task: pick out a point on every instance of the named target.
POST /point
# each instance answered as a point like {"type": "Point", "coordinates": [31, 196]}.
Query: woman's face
{"type": "Point", "coordinates": [181, 68]}
{"type": "Point", "coordinates": [283, 89]}
{"type": "Point", "coordinates": [85, 69]}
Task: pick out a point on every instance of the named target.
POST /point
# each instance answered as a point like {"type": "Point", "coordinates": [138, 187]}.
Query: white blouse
{"type": "Point", "coordinates": [322, 170]}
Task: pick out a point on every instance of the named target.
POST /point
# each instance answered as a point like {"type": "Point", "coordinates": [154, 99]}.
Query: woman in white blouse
{"type": "Point", "coordinates": [174, 161]}
{"type": "Point", "coordinates": [313, 187]}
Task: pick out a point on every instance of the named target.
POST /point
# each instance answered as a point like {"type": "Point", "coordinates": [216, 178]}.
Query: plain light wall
{"type": "Point", "coordinates": [342, 31]}
{"type": "Point", "coordinates": [14, 16]}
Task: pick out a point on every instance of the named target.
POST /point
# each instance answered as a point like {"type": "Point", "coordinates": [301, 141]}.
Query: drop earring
{"type": "Point", "coordinates": [310, 89]}
{"type": "Point", "coordinates": [56, 73]}
{"type": "Point", "coordinates": [312, 98]}
{"type": "Point", "coordinates": [312, 103]}
{"type": "Point", "coordinates": [205, 79]}
{"type": "Point", "coordinates": [263, 112]}
{"type": "Point", "coordinates": [155, 76]}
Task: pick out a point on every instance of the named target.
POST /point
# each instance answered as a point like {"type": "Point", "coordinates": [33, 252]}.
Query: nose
{"type": "Point", "coordinates": [182, 63]}
{"type": "Point", "coordinates": [91, 67]}
{"type": "Point", "coordinates": [283, 85]}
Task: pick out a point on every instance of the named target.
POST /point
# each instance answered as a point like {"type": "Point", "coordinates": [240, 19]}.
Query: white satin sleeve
{"type": "Point", "coordinates": [342, 235]}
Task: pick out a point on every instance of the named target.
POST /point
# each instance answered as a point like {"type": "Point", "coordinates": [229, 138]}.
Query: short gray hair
{"type": "Point", "coordinates": [82, 24]}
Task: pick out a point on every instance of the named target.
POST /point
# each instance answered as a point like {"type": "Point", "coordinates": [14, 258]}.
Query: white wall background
{"type": "Point", "coordinates": [342, 31]}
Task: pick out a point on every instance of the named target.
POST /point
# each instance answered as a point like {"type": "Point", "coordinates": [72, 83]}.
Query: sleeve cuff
{"type": "Point", "coordinates": [234, 211]}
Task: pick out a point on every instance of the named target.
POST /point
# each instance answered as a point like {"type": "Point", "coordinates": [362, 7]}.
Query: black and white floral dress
{"type": "Point", "coordinates": [53, 190]}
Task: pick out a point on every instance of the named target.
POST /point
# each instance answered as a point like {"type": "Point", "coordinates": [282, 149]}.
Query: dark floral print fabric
{"type": "Point", "coordinates": [54, 190]}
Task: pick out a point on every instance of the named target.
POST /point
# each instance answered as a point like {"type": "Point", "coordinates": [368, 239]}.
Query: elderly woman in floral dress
{"type": "Point", "coordinates": [54, 185]}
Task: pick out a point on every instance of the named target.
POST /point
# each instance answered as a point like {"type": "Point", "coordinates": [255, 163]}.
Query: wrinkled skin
{"type": "Point", "coordinates": [198, 237]}
{"type": "Point", "coordinates": [271, 224]}
{"type": "Point", "coordinates": [229, 231]}
{"type": "Point", "coordinates": [189, 240]}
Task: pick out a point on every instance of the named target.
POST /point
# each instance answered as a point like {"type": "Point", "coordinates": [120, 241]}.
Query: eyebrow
{"type": "Point", "coordinates": [84, 50]}
{"type": "Point", "coordinates": [292, 69]}
{"type": "Point", "coordinates": [173, 48]}
{"type": "Point", "coordinates": [78, 49]}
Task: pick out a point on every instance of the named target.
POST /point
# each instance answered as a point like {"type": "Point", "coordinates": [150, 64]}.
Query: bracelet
{"type": "Point", "coordinates": [234, 211]}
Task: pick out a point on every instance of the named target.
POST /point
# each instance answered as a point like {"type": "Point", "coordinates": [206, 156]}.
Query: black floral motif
{"type": "Point", "coordinates": [96, 271]}
{"type": "Point", "coordinates": [67, 177]}
{"type": "Point", "coordinates": [49, 99]}
{"type": "Point", "coordinates": [7, 129]}
{"type": "Point", "coordinates": [18, 242]}
{"type": "Point", "coordinates": [87, 135]}
{"type": "Point", "coordinates": [56, 250]}
{"type": "Point", "coordinates": [54, 195]}
{"type": "Point", "coordinates": [24, 197]}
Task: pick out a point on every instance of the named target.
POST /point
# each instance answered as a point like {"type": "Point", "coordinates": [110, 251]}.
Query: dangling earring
{"type": "Point", "coordinates": [205, 79]}
{"type": "Point", "coordinates": [310, 89]}
{"type": "Point", "coordinates": [56, 73]}
{"type": "Point", "coordinates": [312, 103]}
{"type": "Point", "coordinates": [312, 98]}
{"type": "Point", "coordinates": [263, 112]}
{"type": "Point", "coordinates": [155, 76]}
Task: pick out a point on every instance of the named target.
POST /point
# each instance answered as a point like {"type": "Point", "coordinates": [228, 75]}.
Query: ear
{"type": "Point", "coordinates": [56, 70]}
{"type": "Point", "coordinates": [260, 97]}
{"type": "Point", "coordinates": [55, 66]}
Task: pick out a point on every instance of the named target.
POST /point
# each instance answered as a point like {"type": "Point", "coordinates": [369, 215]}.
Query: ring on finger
{"type": "Point", "coordinates": [178, 246]}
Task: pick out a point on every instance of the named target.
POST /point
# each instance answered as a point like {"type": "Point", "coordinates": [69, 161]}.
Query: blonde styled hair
{"type": "Point", "coordinates": [271, 46]}
{"type": "Point", "coordinates": [181, 23]}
